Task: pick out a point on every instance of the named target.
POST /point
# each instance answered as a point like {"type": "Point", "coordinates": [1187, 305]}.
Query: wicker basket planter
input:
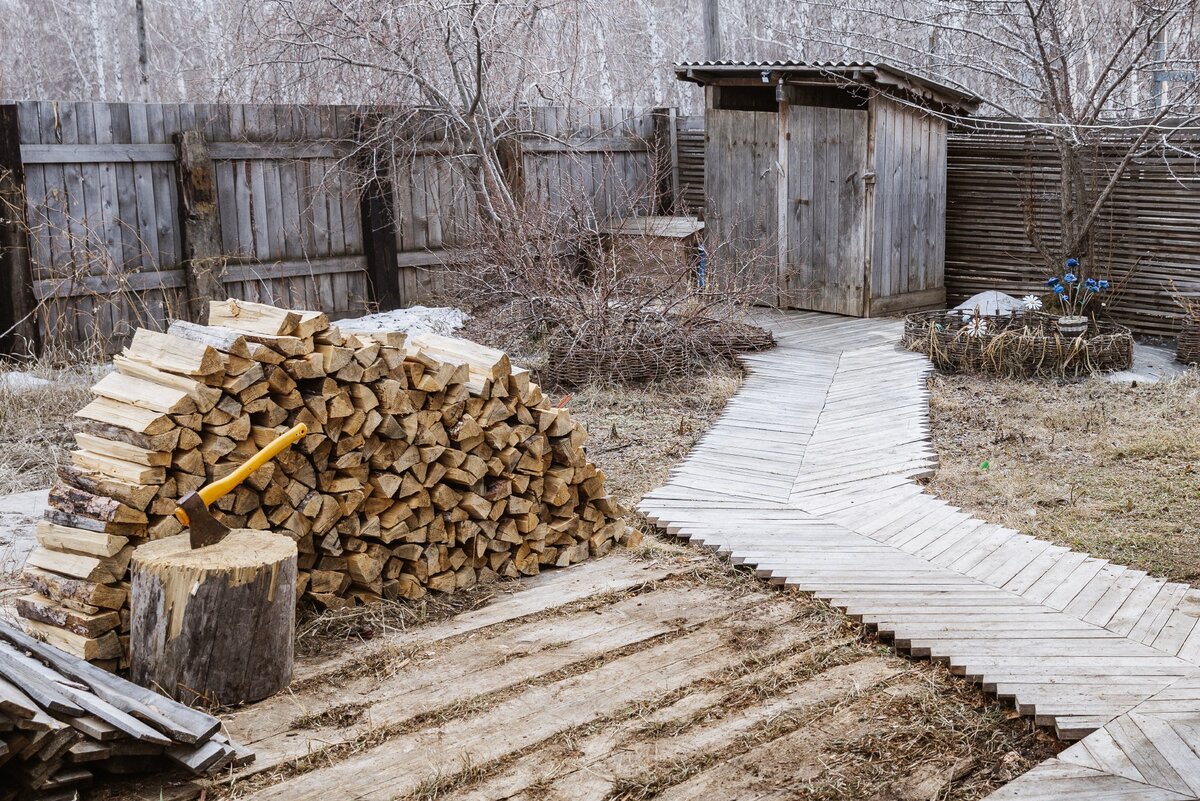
{"type": "Point", "coordinates": [1188, 351]}
{"type": "Point", "coordinates": [1019, 345]}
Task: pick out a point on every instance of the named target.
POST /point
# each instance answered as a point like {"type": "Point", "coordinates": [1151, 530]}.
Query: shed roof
{"type": "Point", "coordinates": [885, 76]}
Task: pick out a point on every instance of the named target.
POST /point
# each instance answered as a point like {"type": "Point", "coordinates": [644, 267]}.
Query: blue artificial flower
{"type": "Point", "coordinates": [1092, 285]}
{"type": "Point", "coordinates": [1052, 281]}
{"type": "Point", "coordinates": [1060, 290]}
{"type": "Point", "coordinates": [1070, 278]}
{"type": "Point", "coordinates": [1072, 263]}
{"type": "Point", "coordinates": [1102, 284]}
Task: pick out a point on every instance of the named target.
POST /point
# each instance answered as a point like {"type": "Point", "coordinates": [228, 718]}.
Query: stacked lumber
{"type": "Point", "coordinates": [62, 719]}
{"type": "Point", "coordinates": [431, 463]}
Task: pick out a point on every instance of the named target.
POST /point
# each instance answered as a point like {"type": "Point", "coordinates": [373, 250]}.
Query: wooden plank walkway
{"type": "Point", "coordinates": [810, 477]}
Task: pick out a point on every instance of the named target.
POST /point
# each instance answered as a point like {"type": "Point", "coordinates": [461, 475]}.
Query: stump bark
{"type": "Point", "coordinates": [214, 624]}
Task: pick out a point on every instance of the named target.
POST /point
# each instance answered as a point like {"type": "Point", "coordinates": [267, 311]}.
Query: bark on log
{"type": "Point", "coordinates": [216, 623]}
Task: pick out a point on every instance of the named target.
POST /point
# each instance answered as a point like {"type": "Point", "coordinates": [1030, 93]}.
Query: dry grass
{"type": "Point", "coordinates": [327, 633]}
{"type": "Point", "coordinates": [1110, 469]}
{"type": "Point", "coordinates": [36, 424]}
{"type": "Point", "coordinates": [637, 434]}
{"type": "Point", "coordinates": [939, 738]}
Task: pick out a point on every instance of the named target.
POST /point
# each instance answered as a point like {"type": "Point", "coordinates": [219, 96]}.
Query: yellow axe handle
{"type": "Point", "coordinates": [218, 489]}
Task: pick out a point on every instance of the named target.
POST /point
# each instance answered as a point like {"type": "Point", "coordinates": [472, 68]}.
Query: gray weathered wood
{"type": "Point", "coordinates": [183, 602]}
{"type": "Point", "coordinates": [203, 262]}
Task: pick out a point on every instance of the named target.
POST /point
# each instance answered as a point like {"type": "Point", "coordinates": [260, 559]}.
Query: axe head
{"type": "Point", "coordinates": [203, 528]}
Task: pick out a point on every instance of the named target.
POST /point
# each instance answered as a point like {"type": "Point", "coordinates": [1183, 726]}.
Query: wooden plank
{"type": "Point", "coordinates": [279, 151]}
{"type": "Point", "coordinates": [90, 285]}
{"type": "Point", "coordinates": [72, 153]}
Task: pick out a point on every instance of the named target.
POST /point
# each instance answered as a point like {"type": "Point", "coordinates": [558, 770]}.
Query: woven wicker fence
{"type": "Point", "coordinates": [1022, 344]}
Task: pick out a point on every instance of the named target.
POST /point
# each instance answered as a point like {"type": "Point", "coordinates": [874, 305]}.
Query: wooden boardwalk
{"type": "Point", "coordinates": [810, 477]}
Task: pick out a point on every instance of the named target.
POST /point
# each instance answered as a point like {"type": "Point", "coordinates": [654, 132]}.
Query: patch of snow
{"type": "Point", "coordinates": [443, 320]}
{"type": "Point", "coordinates": [1151, 364]}
{"type": "Point", "coordinates": [21, 381]}
{"type": "Point", "coordinates": [990, 302]}
{"type": "Point", "coordinates": [18, 518]}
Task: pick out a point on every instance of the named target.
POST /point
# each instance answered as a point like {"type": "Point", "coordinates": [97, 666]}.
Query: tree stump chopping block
{"type": "Point", "coordinates": [214, 624]}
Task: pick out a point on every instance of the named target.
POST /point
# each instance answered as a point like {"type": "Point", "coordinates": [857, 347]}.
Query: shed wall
{"type": "Point", "coordinates": [909, 215]}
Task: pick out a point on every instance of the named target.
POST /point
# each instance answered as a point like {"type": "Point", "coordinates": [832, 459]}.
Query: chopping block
{"type": "Point", "coordinates": [213, 610]}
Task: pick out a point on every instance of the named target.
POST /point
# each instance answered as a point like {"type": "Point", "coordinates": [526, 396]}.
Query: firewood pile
{"type": "Point", "coordinates": [431, 463]}
{"type": "Point", "coordinates": [62, 718]}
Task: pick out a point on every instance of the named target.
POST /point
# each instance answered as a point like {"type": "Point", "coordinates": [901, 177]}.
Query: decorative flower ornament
{"type": "Point", "coordinates": [977, 327]}
{"type": "Point", "coordinates": [1073, 292]}
{"type": "Point", "coordinates": [1032, 302]}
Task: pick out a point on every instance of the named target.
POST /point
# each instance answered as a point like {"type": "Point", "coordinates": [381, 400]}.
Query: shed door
{"type": "Point", "coordinates": [825, 267]}
{"type": "Point", "coordinates": [740, 221]}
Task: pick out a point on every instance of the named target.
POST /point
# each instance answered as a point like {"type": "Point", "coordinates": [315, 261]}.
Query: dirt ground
{"type": "Point", "coordinates": [1105, 468]}
{"type": "Point", "coordinates": [661, 674]}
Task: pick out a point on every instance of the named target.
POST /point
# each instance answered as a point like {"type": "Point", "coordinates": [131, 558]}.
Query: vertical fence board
{"type": "Point", "coordinates": [18, 325]}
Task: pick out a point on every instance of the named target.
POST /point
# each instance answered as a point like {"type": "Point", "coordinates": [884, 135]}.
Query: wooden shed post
{"type": "Point", "coordinates": [200, 225]}
{"type": "Point", "coordinates": [869, 208]}
{"type": "Point", "coordinates": [783, 199]}
{"type": "Point", "coordinates": [378, 224]}
{"type": "Point", "coordinates": [18, 328]}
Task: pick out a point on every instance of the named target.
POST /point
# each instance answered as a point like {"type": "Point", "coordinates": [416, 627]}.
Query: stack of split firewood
{"type": "Point", "coordinates": [62, 718]}
{"type": "Point", "coordinates": [430, 464]}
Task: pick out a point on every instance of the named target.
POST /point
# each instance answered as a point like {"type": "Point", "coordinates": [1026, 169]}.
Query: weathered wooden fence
{"type": "Point", "coordinates": [99, 200]}
{"type": "Point", "coordinates": [1147, 235]}
{"type": "Point", "coordinates": [603, 159]}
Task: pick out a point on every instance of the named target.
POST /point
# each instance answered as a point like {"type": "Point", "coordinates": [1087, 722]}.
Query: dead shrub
{"type": "Point", "coordinates": [628, 314]}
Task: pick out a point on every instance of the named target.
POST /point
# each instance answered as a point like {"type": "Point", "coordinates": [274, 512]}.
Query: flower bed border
{"type": "Point", "coordinates": [1018, 345]}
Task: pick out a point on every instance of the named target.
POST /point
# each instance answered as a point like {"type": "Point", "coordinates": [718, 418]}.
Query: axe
{"type": "Point", "coordinates": [203, 528]}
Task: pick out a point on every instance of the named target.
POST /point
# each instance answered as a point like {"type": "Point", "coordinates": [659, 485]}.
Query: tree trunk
{"type": "Point", "coordinates": [215, 623]}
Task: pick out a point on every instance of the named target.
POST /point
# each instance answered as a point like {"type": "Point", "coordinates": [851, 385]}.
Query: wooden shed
{"type": "Point", "coordinates": [827, 182]}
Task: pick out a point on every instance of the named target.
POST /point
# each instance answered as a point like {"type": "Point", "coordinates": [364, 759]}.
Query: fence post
{"type": "Point", "coordinates": [378, 225]}
{"type": "Point", "coordinates": [664, 151]}
{"type": "Point", "coordinates": [203, 262]}
{"type": "Point", "coordinates": [17, 322]}
{"type": "Point", "coordinates": [511, 156]}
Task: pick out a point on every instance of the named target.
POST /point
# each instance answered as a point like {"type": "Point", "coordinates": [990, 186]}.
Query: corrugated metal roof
{"type": "Point", "coordinates": [761, 64]}
{"type": "Point", "coordinates": [867, 71]}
